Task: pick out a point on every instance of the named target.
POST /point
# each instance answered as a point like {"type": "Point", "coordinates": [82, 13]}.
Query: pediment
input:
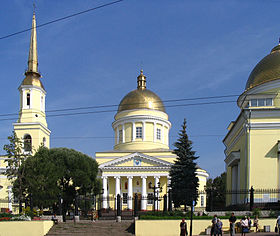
{"type": "Point", "coordinates": [135, 160]}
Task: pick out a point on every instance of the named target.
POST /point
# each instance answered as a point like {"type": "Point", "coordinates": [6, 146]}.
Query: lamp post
{"type": "Point", "coordinates": [155, 187]}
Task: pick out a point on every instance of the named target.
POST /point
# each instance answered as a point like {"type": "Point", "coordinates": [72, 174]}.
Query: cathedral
{"type": "Point", "coordinates": [141, 158]}
{"type": "Point", "coordinates": [252, 142]}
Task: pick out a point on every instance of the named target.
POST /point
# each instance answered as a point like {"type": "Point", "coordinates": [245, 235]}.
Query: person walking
{"type": "Point", "coordinates": [214, 225]}
{"type": "Point", "coordinates": [183, 228]}
{"type": "Point", "coordinates": [232, 220]}
{"type": "Point", "coordinates": [249, 223]}
{"type": "Point", "coordinates": [219, 227]}
{"type": "Point", "coordinates": [256, 223]}
{"type": "Point", "coordinates": [278, 223]}
{"type": "Point", "coordinates": [244, 226]}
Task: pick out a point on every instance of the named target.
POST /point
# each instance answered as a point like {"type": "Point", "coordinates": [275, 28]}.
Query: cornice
{"type": "Point", "coordinates": [32, 123]}
{"type": "Point", "coordinates": [232, 158]}
{"type": "Point", "coordinates": [140, 118]}
{"type": "Point", "coordinates": [258, 89]}
{"type": "Point", "coordinates": [32, 87]}
{"type": "Point", "coordinates": [131, 156]}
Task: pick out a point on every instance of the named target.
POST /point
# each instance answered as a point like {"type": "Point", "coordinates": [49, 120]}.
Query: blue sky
{"type": "Point", "coordinates": [187, 49]}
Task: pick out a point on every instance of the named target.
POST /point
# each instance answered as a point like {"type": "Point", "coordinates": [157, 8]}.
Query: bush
{"type": "Point", "coordinates": [4, 214]}
{"type": "Point", "coordinates": [256, 212]}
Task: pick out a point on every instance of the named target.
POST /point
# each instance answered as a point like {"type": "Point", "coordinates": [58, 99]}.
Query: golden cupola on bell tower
{"type": "Point", "coordinates": [141, 122]}
{"type": "Point", "coordinates": [32, 125]}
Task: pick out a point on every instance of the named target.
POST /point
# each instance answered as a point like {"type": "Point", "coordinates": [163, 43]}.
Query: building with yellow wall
{"type": "Point", "coordinates": [31, 126]}
{"type": "Point", "coordinates": [141, 158]}
{"type": "Point", "coordinates": [252, 141]}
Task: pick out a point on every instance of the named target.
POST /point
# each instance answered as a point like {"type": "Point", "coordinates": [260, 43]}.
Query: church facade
{"type": "Point", "coordinates": [252, 142]}
{"type": "Point", "coordinates": [141, 158]}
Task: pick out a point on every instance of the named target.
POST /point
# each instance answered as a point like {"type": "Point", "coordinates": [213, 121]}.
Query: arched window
{"type": "Point", "coordinates": [28, 99]}
{"type": "Point", "coordinates": [44, 142]}
{"type": "Point", "coordinates": [27, 143]}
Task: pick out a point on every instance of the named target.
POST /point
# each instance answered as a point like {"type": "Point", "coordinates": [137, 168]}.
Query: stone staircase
{"type": "Point", "coordinates": [89, 228]}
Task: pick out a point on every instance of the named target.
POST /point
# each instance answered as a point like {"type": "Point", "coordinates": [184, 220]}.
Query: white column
{"type": "Point", "coordinates": [167, 136]}
{"type": "Point", "coordinates": [133, 131]}
{"type": "Point", "coordinates": [129, 193]}
{"type": "Point", "coordinates": [144, 193]}
{"type": "Point", "coordinates": [123, 134]}
{"type": "Point", "coordinates": [23, 102]}
{"type": "Point", "coordinates": [156, 192]}
{"type": "Point", "coordinates": [238, 181]}
{"type": "Point", "coordinates": [10, 198]}
{"type": "Point", "coordinates": [162, 134]}
{"type": "Point", "coordinates": [155, 131]}
{"type": "Point", "coordinates": [117, 189]}
{"type": "Point", "coordinates": [233, 183]}
{"type": "Point", "coordinates": [168, 188]}
{"type": "Point", "coordinates": [118, 137]}
{"type": "Point", "coordinates": [143, 131]}
{"type": "Point", "coordinates": [105, 193]}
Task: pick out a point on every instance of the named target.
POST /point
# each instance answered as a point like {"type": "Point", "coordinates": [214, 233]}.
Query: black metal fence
{"type": "Point", "coordinates": [129, 207]}
{"type": "Point", "coordinates": [243, 199]}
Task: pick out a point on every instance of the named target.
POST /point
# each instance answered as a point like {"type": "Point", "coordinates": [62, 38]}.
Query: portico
{"type": "Point", "coordinates": [134, 174]}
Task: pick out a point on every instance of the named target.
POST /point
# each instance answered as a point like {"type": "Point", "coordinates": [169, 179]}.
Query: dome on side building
{"type": "Point", "coordinates": [266, 70]}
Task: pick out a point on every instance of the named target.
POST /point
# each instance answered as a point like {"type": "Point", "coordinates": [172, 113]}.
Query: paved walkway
{"type": "Point", "coordinates": [257, 234]}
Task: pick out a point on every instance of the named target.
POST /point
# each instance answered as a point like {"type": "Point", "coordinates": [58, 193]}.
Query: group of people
{"type": "Point", "coordinates": [245, 224]}
{"type": "Point", "coordinates": [217, 226]}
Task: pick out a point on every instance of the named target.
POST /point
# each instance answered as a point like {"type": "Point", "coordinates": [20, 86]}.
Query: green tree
{"type": "Point", "coordinates": [41, 177]}
{"type": "Point", "coordinates": [184, 182]}
{"type": "Point", "coordinates": [216, 192]}
{"type": "Point", "coordinates": [60, 172]}
{"type": "Point", "coordinates": [15, 161]}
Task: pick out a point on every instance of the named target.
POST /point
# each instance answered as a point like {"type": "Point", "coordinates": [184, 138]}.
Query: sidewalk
{"type": "Point", "coordinates": [257, 234]}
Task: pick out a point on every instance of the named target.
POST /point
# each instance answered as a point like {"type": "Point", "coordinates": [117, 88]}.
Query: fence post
{"type": "Point", "coordinates": [251, 198]}
{"type": "Point", "coordinates": [60, 205]}
{"type": "Point", "coordinates": [165, 203]}
{"type": "Point", "coordinates": [169, 200]}
{"type": "Point", "coordinates": [31, 202]}
{"type": "Point", "coordinates": [210, 199]}
{"type": "Point", "coordinates": [118, 208]}
{"type": "Point", "coordinates": [136, 205]}
{"type": "Point", "coordinates": [20, 206]}
{"type": "Point", "coordinates": [76, 215]}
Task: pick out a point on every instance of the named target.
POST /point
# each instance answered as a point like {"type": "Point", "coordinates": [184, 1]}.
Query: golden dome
{"type": "Point", "coordinates": [141, 98]}
{"type": "Point", "coordinates": [33, 78]}
{"type": "Point", "coordinates": [266, 70]}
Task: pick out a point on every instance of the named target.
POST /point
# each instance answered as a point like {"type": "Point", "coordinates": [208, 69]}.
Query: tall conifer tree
{"type": "Point", "coordinates": [184, 182]}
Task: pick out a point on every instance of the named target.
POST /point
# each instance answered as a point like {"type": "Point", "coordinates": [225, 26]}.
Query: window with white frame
{"type": "Point", "coordinates": [202, 201]}
{"type": "Point", "coordinates": [261, 102]}
{"type": "Point", "coordinates": [124, 198]}
{"type": "Point", "coordinates": [150, 198]}
{"type": "Point", "coordinates": [28, 99]}
{"type": "Point", "coordinates": [158, 134]}
{"type": "Point", "coordinates": [139, 132]}
{"type": "Point", "coordinates": [120, 136]}
{"type": "Point", "coordinates": [27, 143]}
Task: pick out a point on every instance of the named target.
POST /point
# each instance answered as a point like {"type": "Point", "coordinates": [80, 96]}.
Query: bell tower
{"type": "Point", "coordinates": [32, 126]}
